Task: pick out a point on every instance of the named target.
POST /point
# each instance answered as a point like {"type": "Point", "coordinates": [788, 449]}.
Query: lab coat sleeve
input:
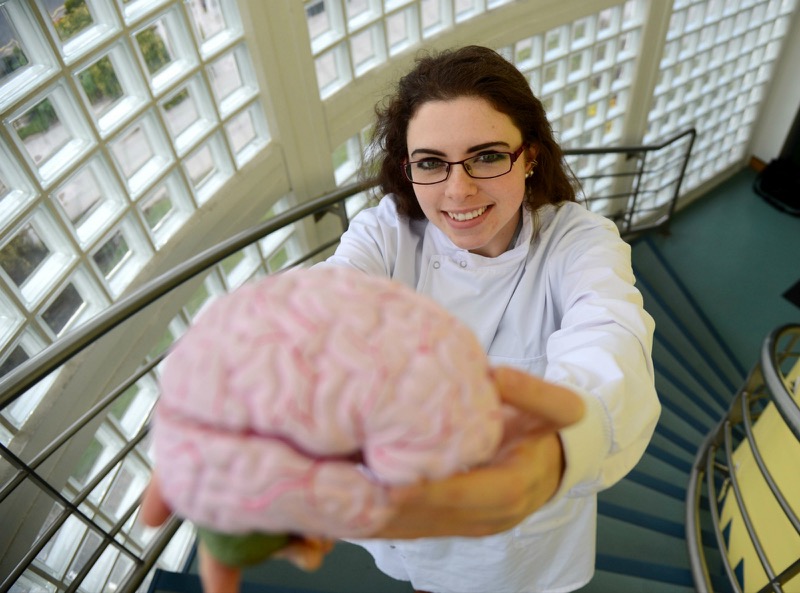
{"type": "Point", "coordinates": [370, 242]}
{"type": "Point", "coordinates": [602, 351]}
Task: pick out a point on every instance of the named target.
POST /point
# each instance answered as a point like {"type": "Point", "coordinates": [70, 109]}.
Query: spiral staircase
{"type": "Point", "coordinates": [642, 538]}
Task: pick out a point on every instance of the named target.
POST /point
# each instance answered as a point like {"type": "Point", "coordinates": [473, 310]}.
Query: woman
{"type": "Point", "coordinates": [480, 214]}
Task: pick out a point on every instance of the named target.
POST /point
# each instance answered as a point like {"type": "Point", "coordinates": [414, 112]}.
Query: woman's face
{"type": "Point", "coordinates": [479, 215]}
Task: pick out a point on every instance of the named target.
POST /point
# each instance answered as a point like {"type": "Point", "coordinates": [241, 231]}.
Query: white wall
{"type": "Point", "coordinates": [783, 102]}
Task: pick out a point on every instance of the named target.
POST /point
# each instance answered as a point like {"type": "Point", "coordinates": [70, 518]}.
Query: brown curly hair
{"type": "Point", "coordinates": [471, 71]}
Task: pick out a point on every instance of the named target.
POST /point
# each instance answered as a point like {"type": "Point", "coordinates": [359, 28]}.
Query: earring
{"type": "Point", "coordinates": [529, 174]}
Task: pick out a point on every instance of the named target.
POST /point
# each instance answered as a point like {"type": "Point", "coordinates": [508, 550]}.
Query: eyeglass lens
{"type": "Point", "coordinates": [483, 166]}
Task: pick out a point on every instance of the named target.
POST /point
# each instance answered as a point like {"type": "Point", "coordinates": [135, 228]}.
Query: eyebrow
{"type": "Point", "coordinates": [476, 148]}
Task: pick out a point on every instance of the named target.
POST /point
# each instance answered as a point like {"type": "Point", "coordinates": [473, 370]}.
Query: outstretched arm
{"type": "Point", "coordinates": [523, 476]}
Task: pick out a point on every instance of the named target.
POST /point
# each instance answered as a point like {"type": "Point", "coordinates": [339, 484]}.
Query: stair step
{"type": "Point", "coordinates": [668, 298]}
{"type": "Point", "coordinates": [630, 542]}
{"type": "Point", "coordinates": [643, 499]}
{"type": "Point", "coordinates": [667, 456]}
{"type": "Point", "coordinates": [714, 397]}
{"type": "Point", "coordinates": [683, 405]}
{"type": "Point", "coordinates": [674, 440]}
{"type": "Point", "coordinates": [613, 582]}
{"type": "Point", "coordinates": [669, 340]}
{"type": "Point", "coordinates": [664, 472]}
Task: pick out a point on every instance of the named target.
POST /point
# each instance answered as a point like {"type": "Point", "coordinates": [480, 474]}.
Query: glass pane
{"type": "Point", "coordinates": [241, 131]}
{"type": "Point", "coordinates": [197, 300]}
{"type": "Point", "coordinates": [100, 570]}
{"type": "Point", "coordinates": [279, 259]}
{"type": "Point", "coordinates": [154, 45]}
{"type": "Point", "coordinates": [432, 18]}
{"type": "Point", "coordinates": [180, 112]}
{"type": "Point", "coordinates": [131, 409]}
{"type": "Point", "coordinates": [132, 151]}
{"type": "Point", "coordinates": [13, 360]}
{"type": "Point", "coordinates": [101, 85]}
{"type": "Point", "coordinates": [111, 254]}
{"type": "Point", "coordinates": [317, 19]}
{"type": "Point", "coordinates": [23, 254]}
{"type": "Point", "coordinates": [12, 57]}
{"type": "Point", "coordinates": [362, 46]}
{"type": "Point", "coordinates": [356, 8]}
{"type": "Point", "coordinates": [88, 546]}
{"type": "Point", "coordinates": [79, 196]}
{"type": "Point", "coordinates": [225, 77]}
{"type": "Point", "coordinates": [63, 309]}
{"type": "Point", "coordinates": [208, 18]}
{"type": "Point", "coordinates": [156, 207]}
{"type": "Point", "coordinates": [200, 166]}
{"type": "Point", "coordinates": [30, 582]}
{"type": "Point", "coordinates": [122, 567]}
{"type": "Point", "coordinates": [398, 34]}
{"type": "Point", "coordinates": [41, 131]}
{"type": "Point", "coordinates": [69, 17]}
{"type": "Point", "coordinates": [327, 72]}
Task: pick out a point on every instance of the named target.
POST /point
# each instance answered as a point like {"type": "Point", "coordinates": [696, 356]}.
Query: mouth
{"type": "Point", "coordinates": [464, 216]}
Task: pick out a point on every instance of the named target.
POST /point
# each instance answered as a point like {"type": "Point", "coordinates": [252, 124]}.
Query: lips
{"type": "Point", "coordinates": [464, 216]}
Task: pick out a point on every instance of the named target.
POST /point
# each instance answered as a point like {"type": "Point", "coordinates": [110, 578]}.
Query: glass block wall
{"type": "Point", "coordinates": [126, 122]}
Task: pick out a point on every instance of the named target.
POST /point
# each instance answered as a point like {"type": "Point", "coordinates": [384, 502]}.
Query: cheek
{"type": "Point", "coordinates": [426, 197]}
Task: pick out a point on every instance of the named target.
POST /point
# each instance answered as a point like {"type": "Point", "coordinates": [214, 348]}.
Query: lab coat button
{"type": "Point", "coordinates": [463, 264]}
{"type": "Point", "coordinates": [436, 265]}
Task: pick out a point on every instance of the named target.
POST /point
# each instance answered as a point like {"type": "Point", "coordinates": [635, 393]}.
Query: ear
{"type": "Point", "coordinates": [530, 157]}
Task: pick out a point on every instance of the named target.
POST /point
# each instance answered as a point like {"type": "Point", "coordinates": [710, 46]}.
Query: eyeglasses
{"type": "Point", "coordinates": [483, 166]}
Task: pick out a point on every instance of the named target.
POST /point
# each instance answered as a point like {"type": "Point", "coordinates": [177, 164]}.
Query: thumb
{"type": "Point", "coordinates": [154, 509]}
{"type": "Point", "coordinates": [550, 403]}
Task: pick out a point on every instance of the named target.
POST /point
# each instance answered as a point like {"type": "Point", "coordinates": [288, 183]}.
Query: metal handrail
{"type": "Point", "coordinates": [715, 459]}
{"type": "Point", "coordinates": [16, 383]}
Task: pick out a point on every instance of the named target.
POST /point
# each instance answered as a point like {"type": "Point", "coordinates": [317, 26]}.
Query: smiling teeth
{"type": "Point", "coordinates": [461, 216]}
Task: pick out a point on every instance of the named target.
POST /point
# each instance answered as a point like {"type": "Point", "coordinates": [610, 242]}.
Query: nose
{"type": "Point", "coordinates": [459, 185]}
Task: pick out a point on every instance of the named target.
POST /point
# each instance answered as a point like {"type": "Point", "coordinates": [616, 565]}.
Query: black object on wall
{"type": "Point", "coordinates": [779, 182]}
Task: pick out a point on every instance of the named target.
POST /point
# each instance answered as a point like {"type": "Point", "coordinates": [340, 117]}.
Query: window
{"type": "Point", "coordinates": [122, 118]}
{"type": "Point", "coordinates": [103, 161]}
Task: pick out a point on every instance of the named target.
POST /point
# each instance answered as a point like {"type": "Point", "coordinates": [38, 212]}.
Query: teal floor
{"type": "Point", "coordinates": [737, 256]}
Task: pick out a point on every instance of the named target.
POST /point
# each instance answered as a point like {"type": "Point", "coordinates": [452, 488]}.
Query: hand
{"type": "Point", "coordinates": [522, 477]}
{"type": "Point", "coordinates": [306, 553]}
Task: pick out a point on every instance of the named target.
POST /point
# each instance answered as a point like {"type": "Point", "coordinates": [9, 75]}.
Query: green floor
{"type": "Point", "coordinates": [735, 253]}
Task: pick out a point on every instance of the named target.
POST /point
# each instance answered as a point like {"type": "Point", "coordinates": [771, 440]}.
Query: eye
{"type": "Point", "coordinates": [428, 165]}
{"type": "Point", "coordinates": [490, 158]}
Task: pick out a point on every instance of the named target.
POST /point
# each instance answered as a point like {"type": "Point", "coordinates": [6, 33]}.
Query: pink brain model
{"type": "Point", "coordinates": [291, 402]}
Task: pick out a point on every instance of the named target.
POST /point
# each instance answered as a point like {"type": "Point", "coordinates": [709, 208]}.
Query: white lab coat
{"type": "Point", "coordinates": [560, 304]}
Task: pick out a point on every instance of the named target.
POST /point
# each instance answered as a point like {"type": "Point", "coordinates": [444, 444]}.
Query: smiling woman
{"type": "Point", "coordinates": [480, 214]}
{"type": "Point", "coordinates": [547, 289]}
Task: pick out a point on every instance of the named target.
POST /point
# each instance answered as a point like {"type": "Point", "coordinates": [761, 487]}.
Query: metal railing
{"type": "Point", "coordinates": [640, 194]}
{"type": "Point", "coordinates": [729, 466]}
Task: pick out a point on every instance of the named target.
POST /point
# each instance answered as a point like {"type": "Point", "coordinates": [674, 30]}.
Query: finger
{"type": "Point", "coordinates": [215, 576]}
{"type": "Point", "coordinates": [154, 510]}
{"type": "Point", "coordinates": [306, 553]}
{"type": "Point", "coordinates": [552, 403]}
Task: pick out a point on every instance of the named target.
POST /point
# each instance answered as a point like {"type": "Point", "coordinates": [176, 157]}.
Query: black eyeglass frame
{"type": "Point", "coordinates": [514, 157]}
